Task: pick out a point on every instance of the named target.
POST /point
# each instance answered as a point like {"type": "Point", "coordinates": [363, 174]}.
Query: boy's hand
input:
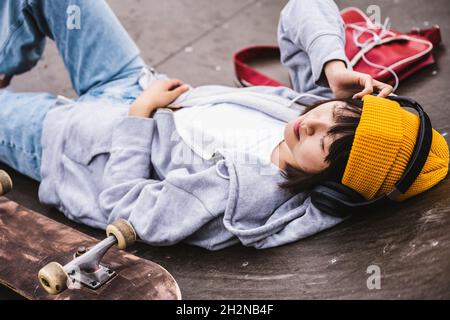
{"type": "Point", "coordinates": [159, 95]}
{"type": "Point", "coordinates": [345, 83]}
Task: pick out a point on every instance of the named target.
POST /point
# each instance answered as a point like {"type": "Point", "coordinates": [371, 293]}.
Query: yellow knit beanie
{"type": "Point", "coordinates": [384, 141]}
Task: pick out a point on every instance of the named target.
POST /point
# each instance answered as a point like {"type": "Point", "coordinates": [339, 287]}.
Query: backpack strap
{"type": "Point", "coordinates": [249, 76]}
{"type": "Point", "coordinates": [433, 34]}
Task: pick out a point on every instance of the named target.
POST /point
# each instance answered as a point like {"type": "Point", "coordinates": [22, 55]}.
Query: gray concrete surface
{"type": "Point", "coordinates": [410, 242]}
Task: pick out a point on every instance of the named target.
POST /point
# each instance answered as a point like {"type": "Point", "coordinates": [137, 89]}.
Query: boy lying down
{"type": "Point", "coordinates": [210, 166]}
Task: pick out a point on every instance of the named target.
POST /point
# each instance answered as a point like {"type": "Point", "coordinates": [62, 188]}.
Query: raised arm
{"type": "Point", "coordinates": [311, 35]}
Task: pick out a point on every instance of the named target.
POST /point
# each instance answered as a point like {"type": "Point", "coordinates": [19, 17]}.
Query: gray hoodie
{"type": "Point", "coordinates": [99, 164]}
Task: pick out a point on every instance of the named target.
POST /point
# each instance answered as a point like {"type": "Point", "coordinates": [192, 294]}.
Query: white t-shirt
{"type": "Point", "coordinates": [241, 130]}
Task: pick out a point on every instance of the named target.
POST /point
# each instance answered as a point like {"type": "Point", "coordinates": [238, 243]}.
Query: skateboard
{"type": "Point", "coordinates": [44, 259]}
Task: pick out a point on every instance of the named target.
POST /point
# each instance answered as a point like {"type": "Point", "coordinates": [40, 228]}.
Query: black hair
{"type": "Point", "coordinates": [297, 180]}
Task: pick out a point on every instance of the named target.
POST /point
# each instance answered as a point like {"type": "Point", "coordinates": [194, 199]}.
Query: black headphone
{"type": "Point", "coordinates": [336, 199]}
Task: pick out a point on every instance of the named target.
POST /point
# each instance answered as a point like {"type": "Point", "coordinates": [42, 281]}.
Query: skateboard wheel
{"type": "Point", "coordinates": [123, 231]}
{"type": "Point", "coordinates": [5, 183]}
{"type": "Point", "coordinates": [53, 278]}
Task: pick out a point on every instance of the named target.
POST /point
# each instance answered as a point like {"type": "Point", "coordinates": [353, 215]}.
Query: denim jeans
{"type": "Point", "coordinates": [100, 57]}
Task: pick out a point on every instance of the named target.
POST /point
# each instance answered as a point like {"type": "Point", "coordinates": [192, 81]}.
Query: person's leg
{"type": "Point", "coordinates": [96, 49]}
{"type": "Point", "coordinates": [99, 55]}
{"type": "Point", "coordinates": [21, 119]}
{"type": "Point", "coordinates": [21, 114]}
{"type": "Point", "coordinates": [21, 43]}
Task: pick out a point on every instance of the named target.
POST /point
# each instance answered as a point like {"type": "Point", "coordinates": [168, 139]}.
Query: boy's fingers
{"type": "Point", "coordinates": [368, 85]}
{"type": "Point", "coordinates": [361, 94]}
{"type": "Point", "coordinates": [384, 89]}
{"type": "Point", "coordinates": [367, 82]}
{"type": "Point", "coordinates": [180, 90]}
{"type": "Point", "coordinates": [385, 92]}
{"type": "Point", "coordinates": [173, 83]}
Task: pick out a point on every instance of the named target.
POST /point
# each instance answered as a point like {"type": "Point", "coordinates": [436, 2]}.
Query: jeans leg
{"type": "Point", "coordinates": [21, 119]}
{"type": "Point", "coordinates": [94, 45]}
{"type": "Point", "coordinates": [21, 41]}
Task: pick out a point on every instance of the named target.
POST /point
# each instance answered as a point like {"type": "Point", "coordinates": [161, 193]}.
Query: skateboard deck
{"type": "Point", "coordinates": [29, 241]}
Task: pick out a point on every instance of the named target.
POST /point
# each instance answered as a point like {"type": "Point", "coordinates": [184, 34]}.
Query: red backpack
{"type": "Point", "coordinates": [387, 55]}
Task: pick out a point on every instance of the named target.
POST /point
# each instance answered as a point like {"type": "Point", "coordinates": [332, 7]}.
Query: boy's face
{"type": "Point", "coordinates": [307, 138]}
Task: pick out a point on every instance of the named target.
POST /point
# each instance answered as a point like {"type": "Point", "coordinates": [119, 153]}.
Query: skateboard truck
{"type": "Point", "coordinates": [85, 267]}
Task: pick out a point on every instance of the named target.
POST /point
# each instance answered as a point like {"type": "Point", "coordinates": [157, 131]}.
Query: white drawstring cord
{"type": "Point", "coordinates": [375, 39]}
{"type": "Point", "coordinates": [220, 174]}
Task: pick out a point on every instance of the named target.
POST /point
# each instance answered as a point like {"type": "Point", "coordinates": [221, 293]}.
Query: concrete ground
{"type": "Point", "coordinates": [193, 40]}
